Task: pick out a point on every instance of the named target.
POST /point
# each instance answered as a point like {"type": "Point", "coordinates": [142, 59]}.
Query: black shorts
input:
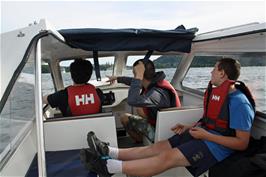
{"type": "Point", "coordinates": [195, 151]}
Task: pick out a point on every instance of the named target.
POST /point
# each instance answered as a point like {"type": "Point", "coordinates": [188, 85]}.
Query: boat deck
{"type": "Point", "coordinates": [68, 164]}
{"type": "Point", "coordinates": [61, 164]}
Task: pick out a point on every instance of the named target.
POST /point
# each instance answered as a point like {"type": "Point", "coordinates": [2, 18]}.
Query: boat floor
{"type": "Point", "coordinates": [67, 163]}
{"type": "Point", "coordinates": [126, 142]}
{"type": "Point", "coordinates": [61, 164]}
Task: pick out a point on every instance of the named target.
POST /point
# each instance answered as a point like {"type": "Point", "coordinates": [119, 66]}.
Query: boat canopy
{"type": "Point", "coordinates": [95, 39]}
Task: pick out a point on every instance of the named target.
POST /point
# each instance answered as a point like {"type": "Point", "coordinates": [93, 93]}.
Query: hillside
{"type": "Point", "coordinates": [167, 61]}
{"type": "Point", "coordinates": [209, 61]}
{"type": "Point", "coordinates": [171, 61]}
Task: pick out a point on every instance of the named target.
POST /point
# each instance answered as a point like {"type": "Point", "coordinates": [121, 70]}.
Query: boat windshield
{"type": "Point", "coordinates": [166, 63]}
{"type": "Point", "coordinates": [106, 69]}
{"type": "Point", "coordinates": [18, 112]}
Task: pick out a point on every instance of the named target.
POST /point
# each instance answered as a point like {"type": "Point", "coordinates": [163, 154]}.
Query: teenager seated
{"type": "Point", "coordinates": [229, 111]}
{"type": "Point", "coordinates": [80, 98]}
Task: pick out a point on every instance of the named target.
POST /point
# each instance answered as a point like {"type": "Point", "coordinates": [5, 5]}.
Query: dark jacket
{"type": "Point", "coordinates": [155, 98]}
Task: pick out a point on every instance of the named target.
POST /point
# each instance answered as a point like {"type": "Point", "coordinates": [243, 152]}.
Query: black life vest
{"type": "Point", "coordinates": [83, 100]}
{"type": "Point", "coordinates": [216, 109]}
{"type": "Point", "coordinates": [176, 103]}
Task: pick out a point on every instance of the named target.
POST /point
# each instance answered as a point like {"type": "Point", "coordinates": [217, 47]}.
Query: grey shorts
{"type": "Point", "coordinates": [141, 125]}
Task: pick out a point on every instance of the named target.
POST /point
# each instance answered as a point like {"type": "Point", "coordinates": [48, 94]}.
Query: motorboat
{"type": "Point", "coordinates": [33, 133]}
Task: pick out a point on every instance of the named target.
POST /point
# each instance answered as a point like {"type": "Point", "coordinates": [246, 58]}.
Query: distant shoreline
{"type": "Point", "coordinates": [46, 70]}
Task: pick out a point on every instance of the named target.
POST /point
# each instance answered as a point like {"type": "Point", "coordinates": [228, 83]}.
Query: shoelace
{"type": "Point", "coordinates": [105, 157]}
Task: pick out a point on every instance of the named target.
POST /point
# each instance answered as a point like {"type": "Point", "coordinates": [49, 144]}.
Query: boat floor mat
{"type": "Point", "coordinates": [61, 164]}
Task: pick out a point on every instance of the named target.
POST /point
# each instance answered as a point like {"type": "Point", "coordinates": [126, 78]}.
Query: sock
{"type": "Point", "coordinates": [114, 166]}
{"type": "Point", "coordinates": [113, 152]}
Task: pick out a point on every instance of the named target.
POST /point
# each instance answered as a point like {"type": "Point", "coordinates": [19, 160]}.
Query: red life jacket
{"type": "Point", "coordinates": [216, 108]}
{"type": "Point", "coordinates": [83, 100]}
{"type": "Point", "coordinates": [166, 85]}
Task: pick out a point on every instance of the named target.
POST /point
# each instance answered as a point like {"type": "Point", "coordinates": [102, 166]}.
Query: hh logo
{"type": "Point", "coordinates": [196, 157]}
{"type": "Point", "coordinates": [215, 97]}
{"type": "Point", "coordinates": [84, 99]}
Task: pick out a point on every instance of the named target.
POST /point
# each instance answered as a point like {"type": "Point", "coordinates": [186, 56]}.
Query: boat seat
{"type": "Point", "coordinates": [79, 117]}
{"type": "Point", "coordinates": [70, 133]}
{"type": "Point", "coordinates": [169, 117]}
{"type": "Point", "coordinates": [166, 119]}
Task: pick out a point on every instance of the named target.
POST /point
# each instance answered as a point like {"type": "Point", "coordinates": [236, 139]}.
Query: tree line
{"type": "Point", "coordinates": [209, 61]}
{"type": "Point", "coordinates": [46, 69]}
{"type": "Point", "coordinates": [172, 61]}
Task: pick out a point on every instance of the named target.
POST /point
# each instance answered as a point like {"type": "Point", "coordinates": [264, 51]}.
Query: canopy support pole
{"type": "Point", "coordinates": [38, 112]}
{"type": "Point", "coordinates": [96, 66]}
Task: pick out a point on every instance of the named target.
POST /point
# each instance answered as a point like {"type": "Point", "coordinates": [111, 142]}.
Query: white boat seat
{"type": "Point", "coordinates": [167, 118]}
{"type": "Point", "coordinates": [71, 132]}
{"type": "Point", "coordinates": [80, 117]}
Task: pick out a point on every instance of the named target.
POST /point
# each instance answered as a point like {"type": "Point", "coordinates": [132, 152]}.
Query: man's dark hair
{"type": "Point", "coordinates": [149, 68]}
{"type": "Point", "coordinates": [231, 67]}
{"type": "Point", "coordinates": [81, 71]}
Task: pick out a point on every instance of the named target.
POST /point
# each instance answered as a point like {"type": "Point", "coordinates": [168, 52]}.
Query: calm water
{"type": "Point", "coordinates": [197, 78]}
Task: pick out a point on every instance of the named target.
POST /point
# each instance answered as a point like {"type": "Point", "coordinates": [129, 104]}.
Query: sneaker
{"type": "Point", "coordinates": [86, 155]}
{"type": "Point", "coordinates": [138, 124]}
{"type": "Point", "coordinates": [99, 147]}
{"type": "Point", "coordinates": [94, 163]}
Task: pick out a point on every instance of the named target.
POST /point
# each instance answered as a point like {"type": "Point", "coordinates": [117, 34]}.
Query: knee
{"type": "Point", "coordinates": [166, 157]}
{"type": "Point", "coordinates": [160, 146]}
{"type": "Point", "coordinates": [172, 158]}
{"type": "Point", "coordinates": [124, 119]}
{"type": "Point", "coordinates": [141, 113]}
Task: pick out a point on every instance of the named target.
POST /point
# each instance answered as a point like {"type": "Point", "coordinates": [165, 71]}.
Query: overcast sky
{"type": "Point", "coordinates": [205, 15]}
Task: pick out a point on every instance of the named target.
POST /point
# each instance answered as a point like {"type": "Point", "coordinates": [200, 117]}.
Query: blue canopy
{"type": "Point", "coordinates": [94, 39]}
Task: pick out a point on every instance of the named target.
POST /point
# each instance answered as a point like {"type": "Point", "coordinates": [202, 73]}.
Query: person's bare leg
{"type": "Point", "coordinates": [137, 137]}
{"type": "Point", "coordinates": [140, 112]}
{"type": "Point", "coordinates": [143, 152]}
{"type": "Point", "coordinates": [154, 165]}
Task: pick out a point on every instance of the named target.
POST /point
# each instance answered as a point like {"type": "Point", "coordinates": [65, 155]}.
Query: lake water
{"type": "Point", "coordinates": [197, 78]}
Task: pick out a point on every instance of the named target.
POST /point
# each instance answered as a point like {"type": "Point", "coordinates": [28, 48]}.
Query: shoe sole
{"type": "Point", "coordinates": [99, 147]}
{"type": "Point", "coordinates": [83, 156]}
{"type": "Point", "coordinates": [84, 160]}
{"type": "Point", "coordinates": [91, 142]}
